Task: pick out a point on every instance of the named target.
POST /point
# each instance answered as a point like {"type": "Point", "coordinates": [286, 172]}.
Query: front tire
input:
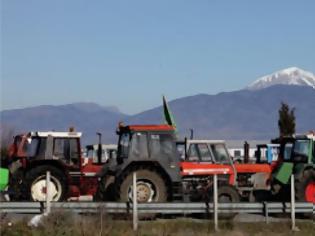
{"type": "Point", "coordinates": [226, 194]}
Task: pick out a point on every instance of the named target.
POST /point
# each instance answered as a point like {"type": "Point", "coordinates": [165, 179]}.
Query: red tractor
{"type": "Point", "coordinates": [209, 157]}
{"type": "Point", "coordinates": [33, 154]}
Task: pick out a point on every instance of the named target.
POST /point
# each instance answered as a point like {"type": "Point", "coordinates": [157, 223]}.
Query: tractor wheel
{"type": "Point", "coordinates": [3, 197]}
{"type": "Point", "coordinates": [17, 187]}
{"type": "Point", "coordinates": [260, 196]}
{"type": "Point", "coordinates": [226, 194]}
{"type": "Point", "coordinates": [105, 190]}
{"type": "Point", "coordinates": [150, 187]}
{"type": "Point", "coordinates": [305, 187]}
{"type": "Point", "coordinates": [35, 180]}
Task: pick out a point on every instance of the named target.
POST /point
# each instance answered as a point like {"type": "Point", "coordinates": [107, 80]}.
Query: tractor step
{"type": "Point", "coordinates": [177, 190]}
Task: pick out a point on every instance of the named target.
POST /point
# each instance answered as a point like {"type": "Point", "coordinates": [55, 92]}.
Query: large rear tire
{"type": "Point", "coordinates": [35, 181]}
{"type": "Point", "coordinates": [150, 187]}
{"type": "Point", "coordinates": [305, 187]}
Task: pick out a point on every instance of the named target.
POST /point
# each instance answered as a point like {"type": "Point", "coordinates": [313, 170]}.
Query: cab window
{"type": "Point", "coordinates": [220, 153]}
{"type": "Point", "coordinates": [139, 146]}
{"type": "Point", "coordinates": [67, 150]}
{"type": "Point", "coordinates": [162, 145]}
{"type": "Point", "coordinates": [193, 153]}
{"type": "Point", "coordinates": [123, 147]}
{"type": "Point", "coordinates": [301, 147]}
{"type": "Point", "coordinates": [204, 151]}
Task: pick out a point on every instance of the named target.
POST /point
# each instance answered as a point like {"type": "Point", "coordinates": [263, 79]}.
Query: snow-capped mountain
{"type": "Point", "coordinates": [289, 76]}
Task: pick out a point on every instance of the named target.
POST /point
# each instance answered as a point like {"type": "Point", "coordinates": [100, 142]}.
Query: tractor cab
{"type": "Point", "coordinates": [301, 163]}
{"type": "Point", "coordinates": [296, 152]}
{"type": "Point", "coordinates": [206, 157]}
{"type": "Point", "coordinates": [303, 150]}
{"type": "Point", "coordinates": [39, 146]}
{"type": "Point", "coordinates": [33, 154]}
{"type": "Point", "coordinates": [150, 151]}
{"type": "Point", "coordinates": [147, 143]}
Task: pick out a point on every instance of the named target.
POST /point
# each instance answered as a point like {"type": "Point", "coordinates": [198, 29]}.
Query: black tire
{"type": "Point", "coordinates": [301, 185]}
{"type": "Point", "coordinates": [226, 194]}
{"type": "Point", "coordinates": [261, 196]}
{"type": "Point", "coordinates": [153, 187]}
{"type": "Point", "coordinates": [37, 175]}
{"type": "Point", "coordinates": [2, 197]}
{"type": "Point", "coordinates": [17, 187]}
{"type": "Point", "coordinates": [105, 190]}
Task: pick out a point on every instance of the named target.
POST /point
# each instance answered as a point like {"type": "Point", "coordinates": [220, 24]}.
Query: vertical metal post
{"type": "Point", "coordinates": [215, 202]}
{"type": "Point", "coordinates": [266, 212]}
{"type": "Point", "coordinates": [48, 200]}
{"type": "Point", "coordinates": [134, 202]}
{"type": "Point", "coordinates": [293, 226]}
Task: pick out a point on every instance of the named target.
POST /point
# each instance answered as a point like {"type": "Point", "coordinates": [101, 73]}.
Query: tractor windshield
{"type": "Point", "coordinates": [220, 153]}
{"type": "Point", "coordinates": [301, 148]}
{"type": "Point", "coordinates": [29, 145]}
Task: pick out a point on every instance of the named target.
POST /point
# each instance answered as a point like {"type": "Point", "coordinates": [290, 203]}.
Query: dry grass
{"type": "Point", "coordinates": [66, 224]}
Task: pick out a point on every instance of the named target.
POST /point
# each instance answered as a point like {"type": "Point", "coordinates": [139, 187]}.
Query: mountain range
{"type": "Point", "coordinates": [247, 114]}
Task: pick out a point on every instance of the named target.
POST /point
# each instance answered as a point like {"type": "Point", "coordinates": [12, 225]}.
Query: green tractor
{"type": "Point", "coordinates": [4, 180]}
{"type": "Point", "coordinates": [300, 161]}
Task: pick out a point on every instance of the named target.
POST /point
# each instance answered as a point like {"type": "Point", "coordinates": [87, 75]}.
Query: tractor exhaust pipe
{"type": "Point", "coordinates": [191, 133]}
{"type": "Point", "coordinates": [99, 148]}
{"type": "Point", "coordinates": [246, 152]}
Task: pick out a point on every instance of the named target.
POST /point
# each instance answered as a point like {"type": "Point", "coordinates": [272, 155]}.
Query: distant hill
{"type": "Point", "coordinates": [86, 117]}
{"type": "Point", "coordinates": [243, 114]}
{"type": "Point", "coordinates": [251, 113]}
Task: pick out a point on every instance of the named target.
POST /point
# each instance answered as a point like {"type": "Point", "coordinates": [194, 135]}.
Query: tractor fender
{"type": "Point", "coordinates": [302, 169]}
{"type": "Point", "coordinates": [142, 165]}
{"type": "Point", "coordinates": [56, 163]}
{"type": "Point", "coordinates": [172, 172]}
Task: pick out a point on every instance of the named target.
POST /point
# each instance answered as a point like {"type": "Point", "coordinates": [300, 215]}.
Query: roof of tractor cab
{"type": "Point", "coordinates": [150, 127]}
{"type": "Point", "coordinates": [307, 136]}
{"type": "Point", "coordinates": [56, 134]}
{"type": "Point", "coordinates": [205, 141]}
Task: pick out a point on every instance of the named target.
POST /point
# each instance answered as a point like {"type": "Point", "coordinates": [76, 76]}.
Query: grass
{"type": "Point", "coordinates": [66, 224]}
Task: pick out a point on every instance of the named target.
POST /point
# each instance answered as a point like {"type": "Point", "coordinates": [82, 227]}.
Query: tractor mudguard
{"type": "Point", "coordinates": [4, 178]}
{"type": "Point", "coordinates": [284, 172]}
{"type": "Point", "coordinates": [108, 169]}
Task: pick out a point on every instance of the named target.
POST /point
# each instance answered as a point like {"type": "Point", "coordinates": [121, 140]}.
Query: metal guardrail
{"type": "Point", "coordinates": [162, 208]}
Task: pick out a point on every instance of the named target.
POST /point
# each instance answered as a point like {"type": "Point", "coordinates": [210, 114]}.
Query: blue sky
{"type": "Point", "coordinates": [129, 53]}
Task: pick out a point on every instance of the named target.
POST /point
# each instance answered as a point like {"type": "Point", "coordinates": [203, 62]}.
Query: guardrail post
{"type": "Point", "coordinates": [215, 202]}
{"type": "Point", "coordinates": [48, 205]}
{"type": "Point", "coordinates": [134, 202]}
{"type": "Point", "coordinates": [266, 210]}
{"type": "Point", "coordinates": [293, 226]}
